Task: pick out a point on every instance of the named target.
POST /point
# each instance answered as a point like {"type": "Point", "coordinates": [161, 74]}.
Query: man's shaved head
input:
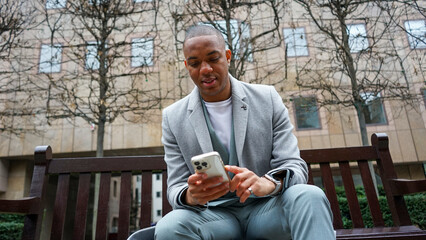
{"type": "Point", "coordinates": [203, 30]}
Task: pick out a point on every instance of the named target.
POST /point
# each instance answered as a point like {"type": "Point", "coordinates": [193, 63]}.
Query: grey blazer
{"type": "Point", "coordinates": [263, 136]}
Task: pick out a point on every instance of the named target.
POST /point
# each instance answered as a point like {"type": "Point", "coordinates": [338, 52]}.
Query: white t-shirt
{"type": "Point", "coordinates": [220, 114]}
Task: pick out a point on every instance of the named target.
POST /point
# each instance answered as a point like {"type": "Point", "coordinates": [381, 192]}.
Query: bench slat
{"type": "Point", "coordinates": [351, 196]}
{"type": "Point", "coordinates": [102, 217]}
{"type": "Point", "coordinates": [107, 164]}
{"type": "Point", "coordinates": [81, 206]}
{"type": "Point", "coordinates": [124, 211]}
{"type": "Point", "coordinates": [60, 206]}
{"type": "Point", "coordinates": [370, 192]}
{"type": "Point", "coordinates": [330, 191]}
{"type": "Point", "coordinates": [338, 154]}
{"type": "Point", "coordinates": [146, 201]}
{"type": "Point", "coordinates": [166, 206]}
{"type": "Point", "coordinates": [310, 177]}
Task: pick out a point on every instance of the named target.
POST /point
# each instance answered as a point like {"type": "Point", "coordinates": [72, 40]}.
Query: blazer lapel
{"type": "Point", "coordinates": [198, 122]}
{"type": "Point", "coordinates": [240, 115]}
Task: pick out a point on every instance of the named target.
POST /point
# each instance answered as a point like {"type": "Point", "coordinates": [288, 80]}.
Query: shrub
{"type": "Point", "coordinates": [11, 226]}
{"type": "Point", "coordinates": [416, 205]}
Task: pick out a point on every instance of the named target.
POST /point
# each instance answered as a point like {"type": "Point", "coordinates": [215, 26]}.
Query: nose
{"type": "Point", "coordinates": [205, 68]}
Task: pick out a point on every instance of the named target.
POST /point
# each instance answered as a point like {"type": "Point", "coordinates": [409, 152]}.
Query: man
{"type": "Point", "coordinates": [249, 126]}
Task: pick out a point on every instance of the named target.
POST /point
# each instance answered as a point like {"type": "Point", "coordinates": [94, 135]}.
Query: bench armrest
{"type": "Point", "coordinates": [28, 205]}
{"type": "Point", "coordinates": [401, 187]}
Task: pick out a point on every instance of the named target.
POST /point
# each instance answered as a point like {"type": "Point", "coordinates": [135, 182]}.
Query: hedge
{"type": "Point", "coordinates": [416, 205]}
{"type": "Point", "coordinates": [11, 226]}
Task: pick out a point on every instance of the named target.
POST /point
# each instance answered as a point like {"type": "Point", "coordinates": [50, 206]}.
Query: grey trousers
{"type": "Point", "coordinates": [302, 212]}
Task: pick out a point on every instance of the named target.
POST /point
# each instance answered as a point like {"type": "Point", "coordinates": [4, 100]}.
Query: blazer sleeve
{"type": "Point", "coordinates": [177, 170]}
{"type": "Point", "coordinates": [285, 152]}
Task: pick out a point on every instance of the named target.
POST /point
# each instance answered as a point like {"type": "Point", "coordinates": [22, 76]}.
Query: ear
{"type": "Point", "coordinates": [228, 55]}
{"type": "Point", "coordinates": [186, 65]}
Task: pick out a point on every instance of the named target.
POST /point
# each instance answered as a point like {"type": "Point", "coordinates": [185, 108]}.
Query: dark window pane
{"type": "Point", "coordinates": [373, 109]}
{"type": "Point", "coordinates": [306, 113]}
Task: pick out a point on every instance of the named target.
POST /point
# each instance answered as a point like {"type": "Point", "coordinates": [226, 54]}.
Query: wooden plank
{"type": "Point", "coordinates": [28, 205]}
{"type": "Point", "coordinates": [310, 177]}
{"type": "Point", "coordinates": [103, 200]}
{"type": "Point", "coordinates": [354, 209]}
{"type": "Point", "coordinates": [107, 164]}
{"type": "Point", "coordinates": [406, 186]}
{"type": "Point", "coordinates": [379, 233]}
{"type": "Point", "coordinates": [330, 155]}
{"type": "Point", "coordinates": [60, 207]}
{"type": "Point", "coordinates": [330, 191]}
{"type": "Point", "coordinates": [397, 204]}
{"type": "Point", "coordinates": [146, 199]}
{"type": "Point", "coordinates": [125, 200]}
{"type": "Point", "coordinates": [166, 206]}
{"type": "Point", "coordinates": [370, 192]}
{"type": "Point", "coordinates": [82, 204]}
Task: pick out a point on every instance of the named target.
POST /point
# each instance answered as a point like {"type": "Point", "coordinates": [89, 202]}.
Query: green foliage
{"type": "Point", "coordinates": [11, 226]}
{"type": "Point", "coordinates": [416, 205]}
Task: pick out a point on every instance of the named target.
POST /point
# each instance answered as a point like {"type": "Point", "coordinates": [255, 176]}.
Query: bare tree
{"type": "Point", "coordinates": [106, 53]}
{"type": "Point", "coordinates": [16, 16]}
{"type": "Point", "coordinates": [363, 65]}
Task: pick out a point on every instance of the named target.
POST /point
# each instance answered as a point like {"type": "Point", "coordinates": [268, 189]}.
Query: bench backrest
{"type": "Point", "coordinates": [359, 157]}
{"type": "Point", "coordinates": [69, 169]}
{"type": "Point", "coordinates": [60, 172]}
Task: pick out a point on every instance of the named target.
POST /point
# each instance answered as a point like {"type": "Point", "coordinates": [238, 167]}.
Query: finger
{"type": "Point", "coordinates": [246, 194]}
{"type": "Point", "coordinates": [196, 177]}
{"type": "Point", "coordinates": [207, 194]}
{"type": "Point", "coordinates": [233, 169]}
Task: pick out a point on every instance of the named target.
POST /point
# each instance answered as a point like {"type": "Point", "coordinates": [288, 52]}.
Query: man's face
{"type": "Point", "coordinates": [207, 62]}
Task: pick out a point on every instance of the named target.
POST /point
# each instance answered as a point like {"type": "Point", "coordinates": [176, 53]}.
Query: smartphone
{"type": "Point", "coordinates": [211, 164]}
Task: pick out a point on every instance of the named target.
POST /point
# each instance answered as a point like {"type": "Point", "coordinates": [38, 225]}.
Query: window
{"type": "Point", "coordinates": [92, 56]}
{"type": "Point", "coordinates": [240, 34]}
{"type": "Point", "coordinates": [137, 195]}
{"type": "Point", "coordinates": [373, 109]}
{"type": "Point", "coordinates": [357, 37]}
{"type": "Point", "coordinates": [158, 194]}
{"type": "Point", "coordinates": [97, 2]}
{"type": "Point", "coordinates": [50, 58]}
{"type": "Point", "coordinates": [114, 189]}
{"type": "Point", "coordinates": [416, 32]}
{"type": "Point", "coordinates": [424, 95]}
{"type": "Point", "coordinates": [295, 42]}
{"type": "Point", "coordinates": [159, 213]}
{"type": "Point", "coordinates": [306, 113]}
{"type": "Point", "coordinates": [158, 177]}
{"type": "Point", "coordinates": [54, 4]}
{"type": "Point", "coordinates": [142, 52]}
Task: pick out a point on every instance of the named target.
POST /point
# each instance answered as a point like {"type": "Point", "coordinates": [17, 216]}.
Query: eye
{"type": "Point", "coordinates": [215, 59]}
{"type": "Point", "coordinates": [193, 64]}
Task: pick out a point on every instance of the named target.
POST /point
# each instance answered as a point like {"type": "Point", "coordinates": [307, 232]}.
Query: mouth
{"type": "Point", "coordinates": [208, 81]}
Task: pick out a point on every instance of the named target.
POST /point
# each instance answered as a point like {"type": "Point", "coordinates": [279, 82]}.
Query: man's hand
{"type": "Point", "coordinates": [202, 189]}
{"type": "Point", "coordinates": [245, 179]}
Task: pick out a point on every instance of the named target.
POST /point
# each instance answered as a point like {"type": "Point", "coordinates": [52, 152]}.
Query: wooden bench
{"type": "Point", "coordinates": [71, 214]}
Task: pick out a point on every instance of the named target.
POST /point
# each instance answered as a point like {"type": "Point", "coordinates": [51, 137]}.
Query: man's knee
{"type": "Point", "coordinates": [174, 223]}
{"type": "Point", "coordinates": [304, 194]}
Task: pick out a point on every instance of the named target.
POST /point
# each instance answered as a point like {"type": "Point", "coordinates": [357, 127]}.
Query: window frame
{"type": "Point", "coordinates": [133, 57]}
{"type": "Point", "coordinates": [412, 37]}
{"type": "Point", "coordinates": [298, 128]}
{"type": "Point", "coordinates": [353, 41]}
{"type": "Point", "coordinates": [237, 38]}
{"type": "Point", "coordinates": [382, 105]}
{"type": "Point", "coordinates": [294, 48]}
{"type": "Point", "coordinates": [94, 57]}
{"type": "Point", "coordinates": [53, 64]}
{"type": "Point", "coordinates": [50, 4]}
